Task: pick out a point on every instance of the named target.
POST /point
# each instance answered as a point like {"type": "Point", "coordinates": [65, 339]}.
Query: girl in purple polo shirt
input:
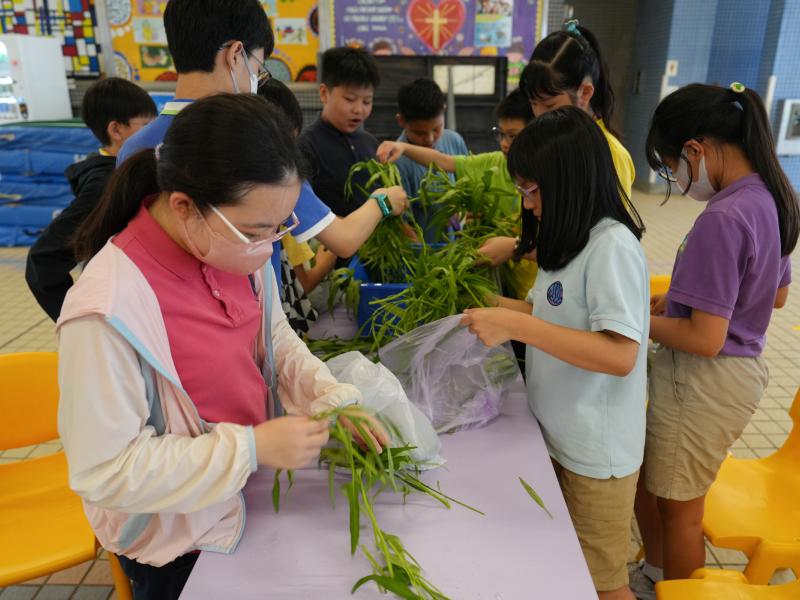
{"type": "Point", "coordinates": [731, 271]}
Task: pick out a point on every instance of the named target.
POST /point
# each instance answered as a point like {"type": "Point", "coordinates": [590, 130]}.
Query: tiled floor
{"type": "Point", "coordinates": [25, 327]}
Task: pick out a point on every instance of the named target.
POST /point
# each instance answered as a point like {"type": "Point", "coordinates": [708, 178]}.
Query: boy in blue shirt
{"type": "Point", "coordinates": [219, 46]}
{"type": "Point", "coordinates": [421, 106]}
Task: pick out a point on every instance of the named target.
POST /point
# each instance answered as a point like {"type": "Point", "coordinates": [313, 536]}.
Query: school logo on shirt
{"type": "Point", "coordinates": [555, 294]}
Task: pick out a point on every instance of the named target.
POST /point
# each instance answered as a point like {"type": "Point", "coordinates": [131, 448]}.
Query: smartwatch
{"type": "Point", "coordinates": [383, 204]}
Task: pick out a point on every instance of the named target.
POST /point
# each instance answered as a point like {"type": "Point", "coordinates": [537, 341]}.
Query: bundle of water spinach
{"type": "Point", "coordinates": [441, 283]}
{"type": "Point", "coordinates": [471, 200]}
{"type": "Point", "coordinates": [343, 283]}
{"type": "Point", "coordinates": [386, 250]}
{"type": "Point", "coordinates": [394, 569]}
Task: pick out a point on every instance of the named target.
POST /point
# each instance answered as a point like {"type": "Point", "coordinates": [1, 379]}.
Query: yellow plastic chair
{"type": "Point", "coordinates": [719, 584]}
{"type": "Point", "coordinates": [754, 506]}
{"type": "Point", "coordinates": [659, 284]}
{"type": "Point", "coordinates": [44, 528]}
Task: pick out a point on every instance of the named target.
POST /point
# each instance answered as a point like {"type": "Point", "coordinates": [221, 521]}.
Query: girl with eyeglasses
{"type": "Point", "coordinates": [585, 324]}
{"type": "Point", "coordinates": [173, 347]}
{"type": "Point", "coordinates": [731, 270]}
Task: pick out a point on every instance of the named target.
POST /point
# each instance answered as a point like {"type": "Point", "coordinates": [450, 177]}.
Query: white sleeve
{"type": "Point", "coordinates": [116, 460]}
{"type": "Point", "coordinates": [305, 384]}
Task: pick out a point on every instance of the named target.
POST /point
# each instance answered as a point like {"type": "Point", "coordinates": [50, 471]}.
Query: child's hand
{"type": "Point", "coordinates": [325, 260]}
{"type": "Point", "coordinates": [658, 304]}
{"type": "Point", "coordinates": [390, 151]}
{"type": "Point", "coordinates": [397, 198]}
{"type": "Point", "coordinates": [410, 232]}
{"type": "Point", "coordinates": [498, 249]}
{"type": "Point", "coordinates": [491, 325]}
{"type": "Point", "coordinates": [374, 430]}
{"type": "Point", "coordinates": [289, 442]}
{"type": "Point", "coordinates": [531, 256]}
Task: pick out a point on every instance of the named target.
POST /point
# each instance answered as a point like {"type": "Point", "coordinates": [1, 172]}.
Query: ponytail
{"type": "Point", "coordinates": [131, 183]}
{"type": "Point", "coordinates": [602, 101]}
{"type": "Point", "coordinates": [735, 116]}
{"type": "Point", "coordinates": [562, 61]}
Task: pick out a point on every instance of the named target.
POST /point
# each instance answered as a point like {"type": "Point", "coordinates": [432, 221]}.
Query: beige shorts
{"type": "Point", "coordinates": [601, 512]}
{"type": "Point", "coordinates": [698, 407]}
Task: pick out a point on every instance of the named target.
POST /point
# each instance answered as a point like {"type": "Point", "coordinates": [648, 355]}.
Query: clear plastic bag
{"type": "Point", "coordinates": [385, 397]}
{"type": "Point", "coordinates": [450, 375]}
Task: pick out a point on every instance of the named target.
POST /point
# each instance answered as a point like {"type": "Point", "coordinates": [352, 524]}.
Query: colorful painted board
{"type": "Point", "coordinates": [140, 44]}
{"type": "Point", "coordinates": [73, 22]}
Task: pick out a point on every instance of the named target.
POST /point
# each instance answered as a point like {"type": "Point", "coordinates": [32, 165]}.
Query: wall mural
{"type": "Point", "coordinates": [140, 44]}
{"type": "Point", "coordinates": [444, 27]}
{"type": "Point", "coordinates": [73, 22]}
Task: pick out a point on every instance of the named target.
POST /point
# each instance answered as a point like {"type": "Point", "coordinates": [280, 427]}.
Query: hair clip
{"type": "Point", "coordinates": [571, 26]}
{"type": "Point", "coordinates": [157, 151]}
{"type": "Point", "coordinates": [737, 87]}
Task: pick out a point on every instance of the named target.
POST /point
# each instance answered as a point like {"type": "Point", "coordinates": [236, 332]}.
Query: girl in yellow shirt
{"type": "Point", "coordinates": [567, 69]}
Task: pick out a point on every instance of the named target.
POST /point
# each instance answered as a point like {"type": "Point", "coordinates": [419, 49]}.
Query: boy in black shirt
{"type": "Point", "coordinates": [336, 141]}
{"type": "Point", "coordinates": [114, 109]}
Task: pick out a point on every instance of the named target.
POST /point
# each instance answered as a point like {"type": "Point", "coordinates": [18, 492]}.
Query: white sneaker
{"type": "Point", "coordinates": [641, 585]}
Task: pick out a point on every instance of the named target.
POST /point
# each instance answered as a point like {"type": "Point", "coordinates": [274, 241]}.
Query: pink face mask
{"type": "Point", "coordinates": [241, 257]}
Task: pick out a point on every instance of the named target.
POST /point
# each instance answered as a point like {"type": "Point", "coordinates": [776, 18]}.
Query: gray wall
{"type": "Point", "coordinates": [648, 60]}
{"type": "Point", "coordinates": [613, 22]}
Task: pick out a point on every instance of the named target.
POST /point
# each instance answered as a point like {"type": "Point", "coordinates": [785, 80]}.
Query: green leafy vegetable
{"type": "Point", "coordinates": [441, 283]}
{"type": "Point", "coordinates": [343, 282]}
{"type": "Point", "coordinates": [532, 493]}
{"type": "Point", "coordinates": [473, 201]}
{"type": "Point", "coordinates": [394, 569]}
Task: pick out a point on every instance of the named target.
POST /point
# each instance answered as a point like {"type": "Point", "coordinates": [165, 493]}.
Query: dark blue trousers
{"type": "Point", "coordinates": [158, 583]}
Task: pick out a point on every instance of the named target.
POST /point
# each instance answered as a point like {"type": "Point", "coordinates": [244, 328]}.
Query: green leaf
{"type": "Point", "coordinates": [532, 493]}
{"type": "Point", "coordinates": [390, 585]}
{"type": "Point", "coordinates": [290, 477]}
{"type": "Point", "coordinates": [353, 498]}
{"type": "Point", "coordinates": [276, 490]}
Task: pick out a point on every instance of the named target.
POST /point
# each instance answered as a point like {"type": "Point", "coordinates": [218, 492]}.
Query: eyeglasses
{"type": "Point", "coordinates": [263, 75]}
{"type": "Point", "coordinates": [527, 192]}
{"type": "Point", "coordinates": [287, 228]}
{"type": "Point", "coordinates": [500, 135]}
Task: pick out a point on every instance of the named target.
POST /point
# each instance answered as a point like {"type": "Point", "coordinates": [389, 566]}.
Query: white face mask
{"type": "Point", "coordinates": [700, 190]}
{"type": "Point", "coordinates": [253, 77]}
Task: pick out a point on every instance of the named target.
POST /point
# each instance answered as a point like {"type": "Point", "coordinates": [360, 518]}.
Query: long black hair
{"type": "Point", "coordinates": [566, 154]}
{"type": "Point", "coordinates": [215, 151]}
{"type": "Point", "coordinates": [561, 62]}
{"type": "Point", "coordinates": [734, 116]}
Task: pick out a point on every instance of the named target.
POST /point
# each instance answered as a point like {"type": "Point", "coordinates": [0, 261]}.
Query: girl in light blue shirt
{"type": "Point", "coordinates": [585, 324]}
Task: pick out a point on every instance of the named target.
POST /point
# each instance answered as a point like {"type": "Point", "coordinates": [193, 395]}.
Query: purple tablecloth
{"type": "Point", "coordinates": [515, 552]}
